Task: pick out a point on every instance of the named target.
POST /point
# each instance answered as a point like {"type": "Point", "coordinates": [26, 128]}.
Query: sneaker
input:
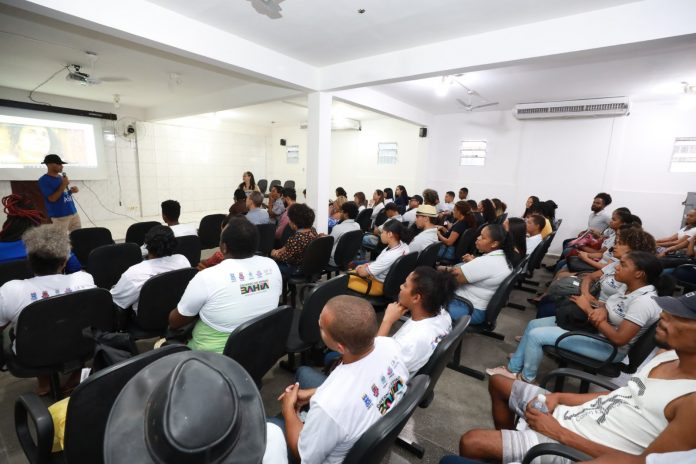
{"type": "Point", "coordinates": [501, 370]}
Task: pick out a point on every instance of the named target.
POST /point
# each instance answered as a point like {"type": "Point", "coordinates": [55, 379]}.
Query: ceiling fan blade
{"type": "Point", "coordinates": [114, 79]}
{"type": "Point", "coordinates": [463, 103]}
{"type": "Point", "coordinates": [270, 8]}
{"type": "Point", "coordinates": [484, 105]}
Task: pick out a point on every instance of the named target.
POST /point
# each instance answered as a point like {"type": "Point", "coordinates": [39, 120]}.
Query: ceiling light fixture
{"type": "Point", "coordinates": [689, 89]}
{"type": "Point", "coordinates": [117, 100]}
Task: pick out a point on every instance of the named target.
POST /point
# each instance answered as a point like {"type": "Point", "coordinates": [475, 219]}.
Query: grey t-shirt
{"type": "Point", "coordinates": [637, 307]}
{"type": "Point", "coordinates": [598, 221]}
{"type": "Point", "coordinates": [258, 216]}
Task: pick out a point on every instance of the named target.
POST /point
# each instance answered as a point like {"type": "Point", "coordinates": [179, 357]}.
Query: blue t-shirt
{"type": "Point", "coordinates": [11, 251]}
{"type": "Point", "coordinates": [64, 206]}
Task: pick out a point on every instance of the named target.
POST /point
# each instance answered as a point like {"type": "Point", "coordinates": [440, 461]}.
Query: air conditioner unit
{"type": "Point", "coordinates": [590, 108]}
{"type": "Point", "coordinates": [338, 124]}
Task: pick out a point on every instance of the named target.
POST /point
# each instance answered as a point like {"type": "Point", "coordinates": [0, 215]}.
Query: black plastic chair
{"type": "Point", "coordinates": [259, 343]}
{"type": "Point", "coordinates": [428, 256]}
{"type": "Point", "coordinates": [136, 232]}
{"type": "Point", "coordinates": [347, 248]}
{"type": "Point", "coordinates": [534, 262]}
{"type": "Point", "coordinates": [466, 244]}
{"type": "Point", "coordinates": [274, 182]}
{"type": "Point", "coordinates": [15, 270]}
{"type": "Point", "coordinates": [159, 295]}
{"type": "Point", "coordinates": [555, 449]}
{"type": "Point", "coordinates": [304, 333]}
{"type": "Point", "coordinates": [638, 352]}
{"type": "Point", "coordinates": [85, 240]}
{"type": "Point", "coordinates": [49, 337]}
{"type": "Point", "coordinates": [314, 261]}
{"type": "Point", "coordinates": [86, 416]}
{"type": "Point", "coordinates": [364, 219]}
{"type": "Point", "coordinates": [209, 230]}
{"type": "Point", "coordinates": [381, 218]}
{"type": "Point", "coordinates": [107, 262]}
{"type": "Point", "coordinates": [262, 185]}
{"type": "Point", "coordinates": [289, 184]}
{"type": "Point", "coordinates": [266, 238]}
{"type": "Point", "coordinates": [189, 246]}
{"type": "Point", "coordinates": [442, 355]}
{"type": "Point", "coordinates": [396, 276]}
{"type": "Point", "coordinates": [377, 440]}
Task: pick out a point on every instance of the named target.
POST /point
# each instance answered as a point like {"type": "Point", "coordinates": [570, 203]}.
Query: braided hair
{"type": "Point", "coordinates": [21, 216]}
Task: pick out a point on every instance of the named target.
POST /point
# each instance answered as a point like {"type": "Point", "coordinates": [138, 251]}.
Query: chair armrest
{"type": "Point", "coordinates": [28, 406]}
{"type": "Point", "coordinates": [580, 375]}
{"type": "Point", "coordinates": [606, 362]}
{"type": "Point", "coordinates": [555, 449]}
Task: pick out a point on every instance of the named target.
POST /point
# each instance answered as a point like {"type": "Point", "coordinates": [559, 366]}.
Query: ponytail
{"type": "Point", "coordinates": [498, 234]}
{"type": "Point", "coordinates": [436, 288]}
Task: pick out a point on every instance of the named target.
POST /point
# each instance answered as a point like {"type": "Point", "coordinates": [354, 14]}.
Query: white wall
{"type": "Point", "coordinates": [570, 161]}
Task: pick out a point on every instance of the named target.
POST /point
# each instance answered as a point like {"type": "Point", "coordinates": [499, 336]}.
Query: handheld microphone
{"type": "Point", "coordinates": [67, 187]}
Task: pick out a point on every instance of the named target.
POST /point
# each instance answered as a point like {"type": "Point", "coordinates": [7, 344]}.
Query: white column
{"type": "Point", "coordinates": [319, 157]}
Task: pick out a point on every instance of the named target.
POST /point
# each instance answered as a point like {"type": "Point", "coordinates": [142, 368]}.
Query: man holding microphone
{"type": "Point", "coordinates": [58, 196]}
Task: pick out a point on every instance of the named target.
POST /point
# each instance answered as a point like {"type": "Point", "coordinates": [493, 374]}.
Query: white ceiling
{"type": "Point", "coordinates": [649, 71]}
{"type": "Point", "coordinates": [34, 47]}
{"type": "Point", "coordinates": [322, 32]}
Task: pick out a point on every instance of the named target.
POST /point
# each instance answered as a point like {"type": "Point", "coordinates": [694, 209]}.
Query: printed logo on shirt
{"type": "Point", "coordinates": [375, 390]}
{"type": "Point", "coordinates": [241, 277]}
{"type": "Point", "coordinates": [233, 278]}
{"type": "Point", "coordinates": [387, 400]}
{"type": "Point", "coordinates": [34, 297]}
{"type": "Point", "coordinates": [437, 341]}
{"type": "Point", "coordinates": [390, 372]}
{"type": "Point", "coordinates": [383, 380]}
{"type": "Point", "coordinates": [44, 294]}
{"type": "Point", "coordinates": [259, 274]}
{"type": "Point", "coordinates": [367, 401]}
{"type": "Point", "coordinates": [256, 287]}
{"type": "Point", "coordinates": [267, 271]}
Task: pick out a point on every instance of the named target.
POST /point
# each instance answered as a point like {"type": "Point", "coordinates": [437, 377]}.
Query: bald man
{"type": "Point", "coordinates": [369, 381]}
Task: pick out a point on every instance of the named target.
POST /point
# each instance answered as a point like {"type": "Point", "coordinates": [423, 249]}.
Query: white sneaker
{"type": "Point", "coordinates": [501, 370]}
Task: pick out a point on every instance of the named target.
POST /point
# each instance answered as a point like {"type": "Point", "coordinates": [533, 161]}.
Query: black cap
{"type": "Point", "coordinates": [683, 306]}
{"type": "Point", "coordinates": [53, 159]}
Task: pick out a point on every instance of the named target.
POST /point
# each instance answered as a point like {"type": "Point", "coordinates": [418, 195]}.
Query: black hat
{"type": "Point", "coordinates": [683, 306]}
{"type": "Point", "coordinates": [189, 407]}
{"type": "Point", "coordinates": [53, 159]}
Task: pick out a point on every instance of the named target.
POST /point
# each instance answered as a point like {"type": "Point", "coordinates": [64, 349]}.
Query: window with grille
{"type": "Point", "coordinates": [472, 153]}
{"type": "Point", "coordinates": [683, 155]}
{"type": "Point", "coordinates": [387, 153]}
{"type": "Point", "coordinates": [293, 154]}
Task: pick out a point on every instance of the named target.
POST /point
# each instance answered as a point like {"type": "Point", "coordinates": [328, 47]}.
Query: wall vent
{"type": "Point", "coordinates": [590, 108]}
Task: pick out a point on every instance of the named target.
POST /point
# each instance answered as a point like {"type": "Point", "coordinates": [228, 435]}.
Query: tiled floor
{"type": "Point", "coordinates": [460, 403]}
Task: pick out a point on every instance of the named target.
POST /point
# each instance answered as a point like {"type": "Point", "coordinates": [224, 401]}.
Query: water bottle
{"type": "Point", "coordinates": [540, 403]}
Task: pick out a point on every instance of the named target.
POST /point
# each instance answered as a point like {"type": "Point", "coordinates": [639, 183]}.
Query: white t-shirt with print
{"type": "Point", "coordinates": [637, 307]}
{"type": "Point", "coordinates": [484, 275]}
{"type": "Point", "coordinates": [379, 268]}
{"type": "Point", "coordinates": [422, 240]}
{"type": "Point", "coordinates": [15, 295]}
{"type": "Point", "coordinates": [233, 292]}
{"type": "Point", "coordinates": [126, 292]}
{"type": "Point", "coordinates": [418, 339]}
{"type": "Point", "coordinates": [349, 401]}
{"type": "Point", "coordinates": [182, 230]}
{"type": "Point", "coordinates": [532, 242]}
{"type": "Point", "coordinates": [608, 284]}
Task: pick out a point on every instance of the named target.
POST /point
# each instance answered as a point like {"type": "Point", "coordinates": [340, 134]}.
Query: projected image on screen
{"type": "Point", "coordinates": [25, 141]}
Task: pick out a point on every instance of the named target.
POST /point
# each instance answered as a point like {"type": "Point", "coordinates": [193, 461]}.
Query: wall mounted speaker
{"type": "Point", "coordinates": [423, 132]}
{"type": "Point", "coordinates": [283, 142]}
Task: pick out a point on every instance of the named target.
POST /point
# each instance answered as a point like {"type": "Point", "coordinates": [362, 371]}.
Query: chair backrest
{"type": "Point", "coordinates": [209, 230]}
{"type": "Point", "coordinates": [499, 299]}
{"type": "Point", "coordinates": [274, 182]}
{"type": "Point", "coordinates": [159, 295]}
{"type": "Point", "coordinates": [397, 274]}
{"type": "Point", "coordinates": [557, 223]}
{"type": "Point", "coordinates": [266, 238]}
{"type": "Point", "coordinates": [308, 326]}
{"type": "Point", "coordinates": [91, 402]}
{"type": "Point", "coordinates": [641, 349]}
{"type": "Point", "coordinates": [263, 185]}
{"type": "Point", "coordinates": [289, 184]}
{"type": "Point", "coordinates": [500, 219]}
{"type": "Point", "coordinates": [347, 247]}
{"type": "Point", "coordinates": [466, 243]}
{"type": "Point", "coordinates": [259, 343]}
{"type": "Point", "coordinates": [376, 442]}
{"type": "Point", "coordinates": [364, 219]}
{"type": "Point", "coordinates": [49, 331]}
{"type": "Point", "coordinates": [136, 232]}
{"type": "Point", "coordinates": [85, 240]}
{"type": "Point", "coordinates": [15, 270]}
{"type": "Point", "coordinates": [316, 256]}
{"type": "Point", "coordinates": [442, 355]}
{"type": "Point", "coordinates": [107, 262]}
{"type": "Point", "coordinates": [428, 255]}
{"type": "Point", "coordinates": [537, 256]}
{"type": "Point", "coordinates": [189, 246]}
{"type": "Point", "coordinates": [381, 218]}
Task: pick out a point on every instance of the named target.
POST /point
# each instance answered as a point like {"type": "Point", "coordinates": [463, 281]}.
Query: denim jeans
{"type": "Point", "coordinates": [308, 377]}
{"type": "Point", "coordinates": [540, 332]}
{"type": "Point", "coordinates": [458, 308]}
{"type": "Point", "coordinates": [447, 253]}
{"type": "Point", "coordinates": [458, 460]}
{"type": "Point", "coordinates": [685, 273]}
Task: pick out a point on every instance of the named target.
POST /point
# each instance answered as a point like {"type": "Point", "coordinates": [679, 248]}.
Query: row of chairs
{"type": "Point", "coordinates": [263, 184]}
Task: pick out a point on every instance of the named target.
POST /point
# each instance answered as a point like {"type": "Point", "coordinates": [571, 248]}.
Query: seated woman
{"type": "Point", "coordinates": [377, 204]}
{"type": "Point", "coordinates": [598, 259]}
{"type": "Point", "coordinates": [248, 183]}
{"type": "Point", "coordinates": [532, 202]}
{"type": "Point", "coordinates": [48, 249]}
{"type": "Point", "coordinates": [300, 220]}
{"type": "Point", "coordinates": [239, 206]}
{"type": "Point", "coordinates": [679, 240]}
{"type": "Point", "coordinates": [377, 270]}
{"type": "Point", "coordinates": [22, 215]}
{"type": "Point", "coordinates": [160, 244]}
{"type": "Point", "coordinates": [487, 210]}
{"type": "Point", "coordinates": [360, 200]}
{"type": "Point", "coordinates": [517, 228]}
{"type": "Point", "coordinates": [335, 211]}
{"type": "Point", "coordinates": [479, 278]}
{"type": "Point", "coordinates": [622, 319]}
{"type": "Point", "coordinates": [463, 219]}
{"type": "Point", "coordinates": [401, 198]}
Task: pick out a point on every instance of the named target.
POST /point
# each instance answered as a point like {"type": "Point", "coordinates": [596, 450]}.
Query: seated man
{"type": "Point", "coordinates": [652, 414]}
{"type": "Point", "coordinates": [392, 212]}
{"type": "Point", "coordinates": [349, 211]}
{"type": "Point", "coordinates": [426, 216]}
{"type": "Point", "coordinates": [371, 379]}
{"type": "Point", "coordinates": [535, 224]}
{"type": "Point", "coordinates": [275, 202]}
{"type": "Point", "coordinates": [256, 215]}
{"type": "Point", "coordinates": [161, 245]}
{"type": "Point", "coordinates": [448, 206]}
{"type": "Point", "coordinates": [413, 203]}
{"type": "Point", "coordinates": [240, 288]}
{"type": "Point", "coordinates": [171, 210]}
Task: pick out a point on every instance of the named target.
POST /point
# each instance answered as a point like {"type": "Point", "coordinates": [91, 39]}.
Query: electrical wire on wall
{"type": "Point", "coordinates": [83, 211]}
{"type": "Point", "coordinates": [31, 92]}
{"type": "Point", "coordinates": [104, 206]}
{"type": "Point", "coordinates": [118, 173]}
